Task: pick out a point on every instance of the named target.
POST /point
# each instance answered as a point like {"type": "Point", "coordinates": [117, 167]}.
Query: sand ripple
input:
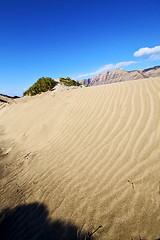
{"type": "Point", "coordinates": [91, 155]}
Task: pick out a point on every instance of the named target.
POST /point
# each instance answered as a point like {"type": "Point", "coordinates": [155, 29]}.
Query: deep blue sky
{"type": "Point", "coordinates": [74, 38]}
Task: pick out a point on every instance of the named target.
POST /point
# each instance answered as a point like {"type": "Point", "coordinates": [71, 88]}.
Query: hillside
{"type": "Point", "coordinates": [79, 159]}
{"type": "Point", "coordinates": [120, 75]}
{"type": "Point", "coordinates": [5, 99]}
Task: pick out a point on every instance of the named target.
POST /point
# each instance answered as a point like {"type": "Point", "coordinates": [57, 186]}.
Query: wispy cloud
{"type": "Point", "coordinates": [153, 53]}
{"type": "Point", "coordinates": [106, 68]}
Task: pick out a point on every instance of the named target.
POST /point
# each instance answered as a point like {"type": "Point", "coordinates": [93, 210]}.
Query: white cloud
{"type": "Point", "coordinates": [154, 52]}
{"type": "Point", "coordinates": [155, 56]}
{"type": "Point", "coordinates": [106, 68]}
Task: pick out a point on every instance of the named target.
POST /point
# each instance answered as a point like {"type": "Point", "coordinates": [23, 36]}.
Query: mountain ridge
{"type": "Point", "coordinates": [121, 75]}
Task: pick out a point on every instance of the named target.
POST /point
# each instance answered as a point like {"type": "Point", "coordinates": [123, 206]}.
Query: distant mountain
{"type": "Point", "coordinates": [6, 98]}
{"type": "Point", "coordinates": [120, 75]}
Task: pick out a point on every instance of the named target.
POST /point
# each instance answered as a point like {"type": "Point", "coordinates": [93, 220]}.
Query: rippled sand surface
{"type": "Point", "coordinates": [91, 156]}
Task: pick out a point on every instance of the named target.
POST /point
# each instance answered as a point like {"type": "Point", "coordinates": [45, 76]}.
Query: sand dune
{"type": "Point", "coordinates": [90, 155]}
{"type": "Point", "coordinates": [4, 100]}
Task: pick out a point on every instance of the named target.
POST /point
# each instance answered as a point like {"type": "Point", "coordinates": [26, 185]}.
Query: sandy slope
{"type": "Point", "coordinates": [91, 155]}
{"type": "Point", "coordinates": [4, 100]}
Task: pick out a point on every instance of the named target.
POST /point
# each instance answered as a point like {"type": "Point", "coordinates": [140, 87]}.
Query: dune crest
{"type": "Point", "coordinates": [90, 155]}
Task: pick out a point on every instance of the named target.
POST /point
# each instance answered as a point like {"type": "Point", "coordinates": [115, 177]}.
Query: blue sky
{"type": "Point", "coordinates": [76, 38]}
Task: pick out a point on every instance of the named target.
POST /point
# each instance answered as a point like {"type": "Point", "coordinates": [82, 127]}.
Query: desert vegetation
{"type": "Point", "coordinates": [69, 82]}
{"type": "Point", "coordinates": [42, 85]}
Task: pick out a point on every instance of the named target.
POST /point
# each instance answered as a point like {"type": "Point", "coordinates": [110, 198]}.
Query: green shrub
{"type": "Point", "coordinates": [69, 82]}
{"type": "Point", "coordinates": [42, 85]}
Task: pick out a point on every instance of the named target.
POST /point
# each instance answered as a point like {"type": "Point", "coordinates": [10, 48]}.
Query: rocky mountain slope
{"type": "Point", "coordinates": [119, 75]}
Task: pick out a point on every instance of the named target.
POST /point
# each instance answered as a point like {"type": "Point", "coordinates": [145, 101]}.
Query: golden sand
{"type": "Point", "coordinates": [91, 155]}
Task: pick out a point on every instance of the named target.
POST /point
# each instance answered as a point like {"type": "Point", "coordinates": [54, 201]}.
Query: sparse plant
{"type": "Point", "coordinates": [69, 82]}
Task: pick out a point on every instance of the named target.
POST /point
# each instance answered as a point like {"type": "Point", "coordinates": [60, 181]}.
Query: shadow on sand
{"type": "Point", "coordinates": [3, 101]}
{"type": "Point", "coordinates": [32, 222]}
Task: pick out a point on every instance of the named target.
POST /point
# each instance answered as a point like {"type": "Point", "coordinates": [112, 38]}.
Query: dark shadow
{"type": "Point", "coordinates": [148, 69]}
{"type": "Point", "coordinates": [32, 222]}
{"type": "Point", "coordinates": [15, 97]}
{"type": "Point", "coordinates": [5, 95]}
{"type": "Point", "coordinates": [8, 96]}
{"type": "Point", "coordinates": [3, 101]}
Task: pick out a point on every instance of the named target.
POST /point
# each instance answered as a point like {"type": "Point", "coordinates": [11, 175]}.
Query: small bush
{"type": "Point", "coordinates": [42, 85]}
{"type": "Point", "coordinates": [15, 97]}
{"type": "Point", "coordinates": [69, 82]}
